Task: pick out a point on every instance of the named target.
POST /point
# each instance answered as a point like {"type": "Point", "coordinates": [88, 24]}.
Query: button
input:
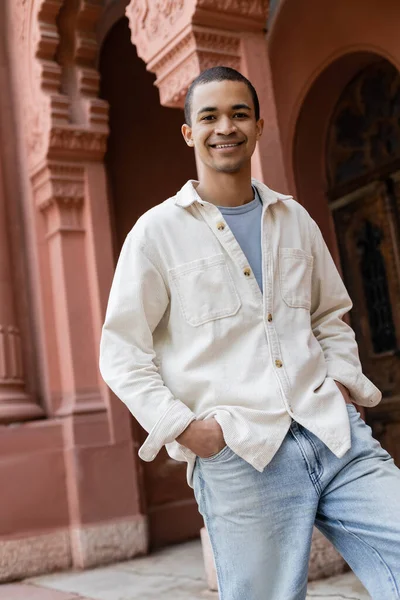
{"type": "Point", "coordinates": [279, 364]}
{"type": "Point", "coordinates": [247, 271]}
{"type": "Point", "coordinates": [269, 318]}
{"type": "Point", "coordinates": [220, 226]}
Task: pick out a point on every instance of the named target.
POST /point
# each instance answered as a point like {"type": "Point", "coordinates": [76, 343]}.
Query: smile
{"type": "Point", "coordinates": [223, 146]}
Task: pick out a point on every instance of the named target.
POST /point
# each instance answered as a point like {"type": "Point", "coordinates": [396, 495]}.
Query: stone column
{"type": "Point", "coordinates": [64, 130]}
{"type": "Point", "coordinates": [15, 403]}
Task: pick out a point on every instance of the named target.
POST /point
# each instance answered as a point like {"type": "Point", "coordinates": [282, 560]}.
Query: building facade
{"type": "Point", "coordinates": [91, 96]}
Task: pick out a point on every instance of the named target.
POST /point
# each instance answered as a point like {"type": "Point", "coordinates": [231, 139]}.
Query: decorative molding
{"type": "Point", "coordinates": [35, 43]}
{"type": "Point", "coordinates": [199, 49]}
{"type": "Point", "coordinates": [58, 182]}
{"type": "Point", "coordinates": [246, 8]}
{"type": "Point", "coordinates": [179, 39]}
{"type": "Point", "coordinates": [152, 22]}
{"type": "Point", "coordinates": [56, 51]}
{"type": "Point", "coordinates": [72, 142]}
{"type": "Point", "coordinates": [11, 366]}
{"type": "Point", "coordinates": [59, 194]}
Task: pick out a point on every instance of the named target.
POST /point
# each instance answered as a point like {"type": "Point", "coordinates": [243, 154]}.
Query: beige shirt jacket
{"type": "Point", "coordinates": [189, 335]}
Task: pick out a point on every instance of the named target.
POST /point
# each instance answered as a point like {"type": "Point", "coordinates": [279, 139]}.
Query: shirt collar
{"type": "Point", "coordinates": [188, 195]}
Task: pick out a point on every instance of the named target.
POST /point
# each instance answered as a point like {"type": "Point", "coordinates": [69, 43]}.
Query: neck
{"type": "Point", "coordinates": [226, 189]}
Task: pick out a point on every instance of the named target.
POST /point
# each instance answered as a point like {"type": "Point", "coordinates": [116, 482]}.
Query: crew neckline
{"type": "Point", "coordinates": [244, 208]}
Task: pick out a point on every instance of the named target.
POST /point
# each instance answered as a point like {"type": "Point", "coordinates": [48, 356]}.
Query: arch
{"type": "Point", "coordinates": [309, 144]}
{"type": "Point", "coordinates": [113, 12]}
{"type": "Point", "coordinates": [308, 36]}
{"type": "Point", "coordinates": [363, 139]}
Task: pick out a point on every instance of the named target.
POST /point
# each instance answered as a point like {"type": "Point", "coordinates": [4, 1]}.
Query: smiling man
{"type": "Point", "coordinates": [225, 337]}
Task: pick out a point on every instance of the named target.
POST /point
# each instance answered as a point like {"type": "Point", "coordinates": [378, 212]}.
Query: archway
{"type": "Point", "coordinates": [146, 162]}
{"type": "Point", "coordinates": [346, 163]}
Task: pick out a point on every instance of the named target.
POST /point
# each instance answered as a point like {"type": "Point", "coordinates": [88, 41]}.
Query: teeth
{"type": "Point", "coordinates": [226, 145]}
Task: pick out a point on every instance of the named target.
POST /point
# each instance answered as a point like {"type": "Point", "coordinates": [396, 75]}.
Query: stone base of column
{"type": "Point", "coordinates": [103, 543]}
{"type": "Point", "coordinates": [79, 547]}
{"type": "Point", "coordinates": [18, 406]}
{"type": "Point", "coordinates": [30, 556]}
{"type": "Point", "coordinates": [325, 561]}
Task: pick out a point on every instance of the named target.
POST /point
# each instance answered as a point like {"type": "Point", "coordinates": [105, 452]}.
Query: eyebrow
{"type": "Point", "coordinates": [240, 106]}
{"type": "Point", "coordinates": [207, 109]}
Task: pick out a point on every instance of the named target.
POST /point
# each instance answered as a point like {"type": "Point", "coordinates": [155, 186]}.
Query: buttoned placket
{"type": "Point", "coordinates": [224, 235]}
{"type": "Point", "coordinates": [268, 307]}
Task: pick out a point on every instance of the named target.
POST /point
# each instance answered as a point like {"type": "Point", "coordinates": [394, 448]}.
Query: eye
{"type": "Point", "coordinates": [241, 115]}
{"type": "Point", "coordinates": [208, 118]}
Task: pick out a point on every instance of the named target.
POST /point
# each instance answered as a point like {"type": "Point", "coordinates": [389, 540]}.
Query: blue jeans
{"type": "Point", "coordinates": [260, 524]}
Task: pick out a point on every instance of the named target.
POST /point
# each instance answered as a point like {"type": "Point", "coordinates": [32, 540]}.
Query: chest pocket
{"type": "Point", "coordinates": [205, 290]}
{"type": "Point", "coordinates": [295, 269]}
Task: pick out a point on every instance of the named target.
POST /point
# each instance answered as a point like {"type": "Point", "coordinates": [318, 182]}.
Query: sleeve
{"type": "Point", "coordinates": [138, 300]}
{"type": "Point", "coordinates": [330, 302]}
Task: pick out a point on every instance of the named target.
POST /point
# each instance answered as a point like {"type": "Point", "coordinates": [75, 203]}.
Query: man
{"type": "Point", "coordinates": [225, 338]}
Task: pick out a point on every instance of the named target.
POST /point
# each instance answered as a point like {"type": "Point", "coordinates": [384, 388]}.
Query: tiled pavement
{"type": "Point", "coordinates": [175, 573]}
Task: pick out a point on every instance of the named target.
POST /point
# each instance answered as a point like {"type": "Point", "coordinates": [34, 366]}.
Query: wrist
{"type": "Point", "coordinates": [187, 433]}
{"type": "Point", "coordinates": [345, 392]}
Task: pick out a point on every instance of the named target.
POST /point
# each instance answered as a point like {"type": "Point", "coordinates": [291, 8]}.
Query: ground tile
{"type": "Point", "coordinates": [16, 591]}
{"type": "Point", "coordinates": [116, 584]}
{"type": "Point", "coordinates": [183, 560]}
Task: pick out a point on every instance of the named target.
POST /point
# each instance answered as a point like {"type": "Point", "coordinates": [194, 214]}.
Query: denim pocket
{"type": "Point", "coordinates": [214, 457]}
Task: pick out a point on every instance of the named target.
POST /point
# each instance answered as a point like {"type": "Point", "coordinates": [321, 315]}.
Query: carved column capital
{"type": "Point", "coordinates": [59, 193]}
{"type": "Point", "coordinates": [180, 39]}
{"type": "Point", "coordinates": [55, 49]}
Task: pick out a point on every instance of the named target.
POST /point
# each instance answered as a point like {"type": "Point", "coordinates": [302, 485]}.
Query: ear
{"type": "Point", "coordinates": [187, 134]}
{"type": "Point", "coordinates": [260, 128]}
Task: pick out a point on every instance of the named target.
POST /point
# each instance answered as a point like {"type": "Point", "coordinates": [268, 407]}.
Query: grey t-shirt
{"type": "Point", "coordinates": [245, 224]}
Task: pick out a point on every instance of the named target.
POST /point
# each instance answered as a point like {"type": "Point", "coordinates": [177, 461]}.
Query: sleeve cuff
{"type": "Point", "coordinates": [166, 430]}
{"type": "Point", "coordinates": [361, 389]}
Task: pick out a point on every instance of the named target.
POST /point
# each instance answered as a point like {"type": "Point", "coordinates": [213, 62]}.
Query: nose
{"type": "Point", "coordinates": [225, 126]}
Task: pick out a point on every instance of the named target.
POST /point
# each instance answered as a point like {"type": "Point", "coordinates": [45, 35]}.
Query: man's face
{"type": "Point", "coordinates": [224, 130]}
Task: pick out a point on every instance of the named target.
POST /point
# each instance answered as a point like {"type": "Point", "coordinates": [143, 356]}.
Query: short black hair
{"type": "Point", "coordinates": [219, 73]}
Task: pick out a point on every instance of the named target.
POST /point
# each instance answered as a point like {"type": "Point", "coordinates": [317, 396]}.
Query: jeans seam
{"type": "Point", "coordinates": [385, 565]}
{"type": "Point", "coordinates": [316, 454]}
{"type": "Point", "coordinates": [211, 536]}
{"type": "Point", "coordinates": [315, 483]}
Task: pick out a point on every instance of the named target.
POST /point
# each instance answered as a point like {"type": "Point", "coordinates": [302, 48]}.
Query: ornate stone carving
{"type": "Point", "coordinates": [200, 49]}
{"type": "Point", "coordinates": [179, 39]}
{"type": "Point", "coordinates": [56, 48]}
{"type": "Point", "coordinates": [152, 21]}
{"type": "Point", "coordinates": [59, 192]}
{"type": "Point", "coordinates": [32, 46]}
{"type": "Point", "coordinates": [247, 8]}
{"type": "Point", "coordinates": [88, 144]}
